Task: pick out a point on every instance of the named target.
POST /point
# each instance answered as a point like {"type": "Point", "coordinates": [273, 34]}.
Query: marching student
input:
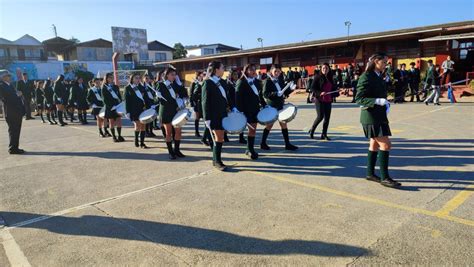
{"type": "Point", "coordinates": [168, 109]}
{"type": "Point", "coordinates": [39, 99]}
{"type": "Point", "coordinates": [94, 99]}
{"type": "Point", "coordinates": [322, 85]}
{"type": "Point", "coordinates": [248, 90]}
{"type": "Point", "coordinates": [78, 100]}
{"type": "Point", "coordinates": [432, 81]}
{"type": "Point", "coordinates": [60, 98]}
{"type": "Point", "coordinates": [149, 95]}
{"type": "Point", "coordinates": [135, 105]}
{"type": "Point", "coordinates": [196, 100]}
{"type": "Point", "coordinates": [231, 83]}
{"type": "Point", "coordinates": [214, 108]}
{"type": "Point", "coordinates": [372, 96]}
{"type": "Point", "coordinates": [275, 97]}
{"type": "Point", "coordinates": [69, 108]}
{"type": "Point", "coordinates": [49, 102]}
{"type": "Point", "coordinates": [111, 97]}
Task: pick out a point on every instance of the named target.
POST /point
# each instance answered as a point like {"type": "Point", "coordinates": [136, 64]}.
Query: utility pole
{"type": "Point", "coordinates": [54, 30]}
{"type": "Point", "coordinates": [348, 25]}
{"type": "Point", "coordinates": [261, 42]}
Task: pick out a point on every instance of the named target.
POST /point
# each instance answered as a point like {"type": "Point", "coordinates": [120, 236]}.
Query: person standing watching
{"type": "Point", "coordinates": [14, 111]}
{"type": "Point", "coordinates": [26, 87]}
{"type": "Point", "coordinates": [448, 68]}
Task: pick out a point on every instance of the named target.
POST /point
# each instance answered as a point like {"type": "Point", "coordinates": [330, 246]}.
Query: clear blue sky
{"type": "Point", "coordinates": [237, 22]}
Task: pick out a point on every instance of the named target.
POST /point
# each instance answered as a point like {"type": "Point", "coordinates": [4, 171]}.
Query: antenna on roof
{"type": "Point", "coordinates": [54, 30]}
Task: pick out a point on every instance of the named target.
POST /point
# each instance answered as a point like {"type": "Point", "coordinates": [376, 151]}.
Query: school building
{"type": "Point", "coordinates": [417, 45]}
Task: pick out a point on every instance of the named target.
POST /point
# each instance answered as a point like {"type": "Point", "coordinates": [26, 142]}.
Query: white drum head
{"type": "Point", "coordinates": [267, 115]}
{"type": "Point", "coordinates": [234, 122]}
{"type": "Point", "coordinates": [287, 112]}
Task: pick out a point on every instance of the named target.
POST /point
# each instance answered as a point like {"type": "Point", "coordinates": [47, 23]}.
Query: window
{"type": "Point", "coordinates": [3, 53]}
{"type": "Point", "coordinates": [143, 56]}
{"type": "Point", "coordinates": [160, 56]}
{"type": "Point", "coordinates": [208, 51]}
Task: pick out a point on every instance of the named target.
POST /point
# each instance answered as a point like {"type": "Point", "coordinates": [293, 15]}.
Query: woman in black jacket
{"type": "Point", "coordinates": [111, 97]}
{"type": "Point", "coordinates": [60, 98]}
{"type": "Point", "coordinates": [321, 86]}
{"type": "Point", "coordinates": [39, 99]}
{"type": "Point", "coordinates": [135, 105]}
{"type": "Point", "coordinates": [78, 99]}
{"type": "Point", "coordinates": [49, 102]}
{"type": "Point", "coordinates": [215, 107]}
{"type": "Point", "coordinates": [94, 99]}
{"type": "Point", "coordinates": [248, 91]}
{"type": "Point", "coordinates": [231, 84]}
{"type": "Point", "coordinates": [196, 90]}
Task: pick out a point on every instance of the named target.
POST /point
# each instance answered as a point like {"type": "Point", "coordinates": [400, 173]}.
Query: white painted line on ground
{"type": "Point", "coordinates": [80, 207]}
{"type": "Point", "coordinates": [12, 250]}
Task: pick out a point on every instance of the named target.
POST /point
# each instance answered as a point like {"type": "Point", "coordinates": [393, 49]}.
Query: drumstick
{"type": "Point", "coordinates": [250, 126]}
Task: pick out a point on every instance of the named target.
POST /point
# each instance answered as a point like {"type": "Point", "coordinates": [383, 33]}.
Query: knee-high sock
{"type": "Point", "coordinates": [383, 163]}
{"type": "Point", "coordinates": [84, 115]}
{"type": "Point", "coordinates": [371, 161]}
{"type": "Point", "coordinates": [48, 117]}
{"type": "Point", "coordinates": [119, 131]}
{"type": "Point", "coordinates": [113, 133]}
{"type": "Point", "coordinates": [196, 126]}
{"type": "Point", "coordinates": [265, 135]}
{"type": "Point", "coordinates": [136, 137]}
{"type": "Point", "coordinates": [250, 143]}
{"type": "Point", "coordinates": [163, 131]}
{"type": "Point", "coordinates": [286, 136]}
{"type": "Point", "coordinates": [142, 138]}
{"type": "Point", "coordinates": [218, 150]}
{"type": "Point", "coordinates": [176, 145]}
{"type": "Point", "coordinates": [60, 116]}
{"type": "Point", "coordinates": [169, 145]}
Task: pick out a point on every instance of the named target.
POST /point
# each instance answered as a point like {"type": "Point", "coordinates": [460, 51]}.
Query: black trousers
{"type": "Point", "coordinates": [27, 106]}
{"type": "Point", "coordinates": [414, 92]}
{"type": "Point", "coordinates": [323, 111]}
{"type": "Point", "coordinates": [14, 128]}
{"type": "Point", "coordinates": [399, 92]}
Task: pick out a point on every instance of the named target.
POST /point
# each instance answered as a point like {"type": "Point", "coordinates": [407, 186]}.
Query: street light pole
{"type": "Point", "coordinates": [348, 25]}
{"type": "Point", "coordinates": [261, 42]}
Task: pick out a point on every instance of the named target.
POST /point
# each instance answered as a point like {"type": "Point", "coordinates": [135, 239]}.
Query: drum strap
{"type": "Point", "coordinates": [277, 85]}
{"type": "Point", "coordinates": [217, 82]}
{"type": "Point", "coordinates": [138, 93]}
{"type": "Point", "coordinates": [254, 88]}
{"type": "Point", "coordinates": [112, 92]}
{"type": "Point", "coordinates": [96, 93]}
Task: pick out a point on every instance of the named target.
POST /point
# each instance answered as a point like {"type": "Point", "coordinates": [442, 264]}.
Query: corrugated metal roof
{"type": "Point", "coordinates": [448, 37]}
{"type": "Point", "coordinates": [322, 42]}
{"type": "Point", "coordinates": [27, 40]}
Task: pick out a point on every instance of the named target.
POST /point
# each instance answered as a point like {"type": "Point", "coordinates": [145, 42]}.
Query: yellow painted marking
{"type": "Point", "coordinates": [343, 128]}
{"type": "Point", "coordinates": [397, 130]}
{"type": "Point", "coordinates": [367, 199]}
{"type": "Point", "coordinates": [456, 201]}
{"type": "Point", "coordinates": [332, 205]}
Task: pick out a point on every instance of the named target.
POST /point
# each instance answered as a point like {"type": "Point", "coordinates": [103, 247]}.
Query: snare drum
{"type": "Point", "coordinates": [181, 118]}
{"type": "Point", "coordinates": [148, 116]}
{"type": "Point", "coordinates": [287, 113]}
{"type": "Point", "coordinates": [267, 115]}
{"type": "Point", "coordinates": [102, 113]}
{"type": "Point", "coordinates": [120, 109]}
{"type": "Point", "coordinates": [234, 123]}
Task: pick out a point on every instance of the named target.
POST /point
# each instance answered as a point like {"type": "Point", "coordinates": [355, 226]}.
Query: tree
{"type": "Point", "coordinates": [74, 39]}
{"type": "Point", "coordinates": [179, 51]}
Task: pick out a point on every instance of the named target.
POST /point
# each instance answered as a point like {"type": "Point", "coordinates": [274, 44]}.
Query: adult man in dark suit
{"type": "Point", "coordinates": [14, 111]}
{"type": "Point", "coordinates": [414, 81]}
{"type": "Point", "coordinates": [26, 88]}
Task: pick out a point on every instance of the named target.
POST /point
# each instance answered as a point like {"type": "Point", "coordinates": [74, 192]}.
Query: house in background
{"type": "Point", "coordinates": [94, 50]}
{"type": "Point", "coordinates": [26, 48]}
{"type": "Point", "coordinates": [56, 48]}
{"type": "Point", "coordinates": [210, 49]}
{"type": "Point", "coordinates": [157, 52]}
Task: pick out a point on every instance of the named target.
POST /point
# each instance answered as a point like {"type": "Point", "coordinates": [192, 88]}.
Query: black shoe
{"type": "Point", "coordinates": [311, 134]}
{"type": "Point", "coordinates": [205, 142]}
{"type": "Point", "coordinates": [62, 124]}
{"type": "Point", "coordinates": [179, 154]}
{"type": "Point", "coordinates": [264, 146]}
{"type": "Point", "coordinates": [325, 137]}
{"type": "Point", "coordinates": [373, 178]}
{"type": "Point", "coordinates": [172, 156]}
{"type": "Point", "coordinates": [252, 155]}
{"type": "Point", "coordinates": [120, 138]}
{"type": "Point", "coordinates": [52, 123]}
{"type": "Point", "coordinates": [101, 135]}
{"type": "Point", "coordinates": [196, 134]}
{"type": "Point", "coordinates": [219, 165]}
{"type": "Point", "coordinates": [437, 104]}
{"type": "Point", "coordinates": [16, 151]}
{"type": "Point", "coordinates": [107, 134]}
{"type": "Point", "coordinates": [226, 139]}
{"type": "Point", "coordinates": [290, 147]}
{"type": "Point", "coordinates": [115, 140]}
{"type": "Point", "coordinates": [136, 144]}
{"type": "Point", "coordinates": [143, 146]}
{"type": "Point", "coordinates": [390, 183]}
{"type": "Point", "coordinates": [30, 118]}
{"type": "Point", "coordinates": [426, 103]}
{"type": "Point", "coordinates": [242, 141]}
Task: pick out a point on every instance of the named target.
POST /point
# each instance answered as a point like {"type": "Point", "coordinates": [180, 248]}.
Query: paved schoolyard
{"type": "Point", "coordinates": [75, 199]}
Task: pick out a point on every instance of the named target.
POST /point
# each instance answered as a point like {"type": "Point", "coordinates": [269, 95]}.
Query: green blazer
{"type": "Point", "coordinates": [246, 100]}
{"type": "Point", "coordinates": [370, 87]}
{"type": "Point", "coordinates": [214, 105]}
